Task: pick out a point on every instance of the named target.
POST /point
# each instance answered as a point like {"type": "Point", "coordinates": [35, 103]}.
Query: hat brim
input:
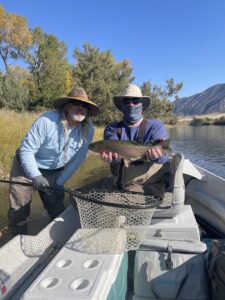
{"type": "Point", "coordinates": [118, 101]}
{"type": "Point", "coordinates": [60, 102]}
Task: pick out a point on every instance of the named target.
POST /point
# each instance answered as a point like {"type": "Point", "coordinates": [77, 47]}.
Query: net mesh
{"type": "Point", "coordinates": [113, 229]}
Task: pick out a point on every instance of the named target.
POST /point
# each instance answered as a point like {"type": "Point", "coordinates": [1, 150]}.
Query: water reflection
{"type": "Point", "coordinates": [204, 145]}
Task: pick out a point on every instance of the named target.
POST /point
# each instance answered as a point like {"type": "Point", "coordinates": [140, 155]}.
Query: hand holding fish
{"type": "Point", "coordinates": [154, 153]}
{"type": "Point", "coordinates": [129, 150]}
{"type": "Point", "coordinates": [108, 156]}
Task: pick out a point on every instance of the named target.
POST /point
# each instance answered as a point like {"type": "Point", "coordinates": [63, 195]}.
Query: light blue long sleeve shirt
{"type": "Point", "coordinates": [48, 146]}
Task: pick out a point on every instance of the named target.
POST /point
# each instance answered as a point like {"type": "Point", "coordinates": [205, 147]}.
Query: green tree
{"type": "Point", "coordinates": [161, 99]}
{"type": "Point", "coordinates": [173, 89]}
{"type": "Point", "coordinates": [98, 73]}
{"type": "Point", "coordinates": [15, 36]}
{"type": "Point", "coordinates": [48, 64]}
{"type": "Point", "coordinates": [15, 88]}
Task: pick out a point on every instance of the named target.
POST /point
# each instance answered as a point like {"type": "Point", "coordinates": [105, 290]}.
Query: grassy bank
{"type": "Point", "coordinates": [208, 121]}
{"type": "Point", "coordinates": [211, 117]}
{"type": "Point", "coordinates": [13, 127]}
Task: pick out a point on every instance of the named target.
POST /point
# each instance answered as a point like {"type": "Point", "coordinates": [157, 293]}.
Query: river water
{"type": "Point", "coordinates": [203, 145]}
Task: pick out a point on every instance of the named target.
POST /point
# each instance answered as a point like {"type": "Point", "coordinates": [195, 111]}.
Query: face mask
{"type": "Point", "coordinates": [132, 114]}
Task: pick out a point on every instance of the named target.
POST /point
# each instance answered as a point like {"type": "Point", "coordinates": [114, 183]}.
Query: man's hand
{"type": "Point", "coordinates": [154, 153]}
{"type": "Point", "coordinates": [108, 156]}
{"type": "Point", "coordinates": [39, 183]}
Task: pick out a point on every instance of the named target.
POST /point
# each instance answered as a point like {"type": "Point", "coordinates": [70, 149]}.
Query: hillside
{"type": "Point", "coordinates": [209, 101]}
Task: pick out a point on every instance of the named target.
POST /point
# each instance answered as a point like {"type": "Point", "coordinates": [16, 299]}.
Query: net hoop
{"type": "Point", "coordinates": [79, 195]}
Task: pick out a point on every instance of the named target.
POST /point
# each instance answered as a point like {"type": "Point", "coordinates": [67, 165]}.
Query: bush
{"type": "Point", "coordinates": [220, 121]}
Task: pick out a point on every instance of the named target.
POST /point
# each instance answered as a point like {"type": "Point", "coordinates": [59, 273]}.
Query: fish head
{"type": "Point", "coordinates": [97, 146]}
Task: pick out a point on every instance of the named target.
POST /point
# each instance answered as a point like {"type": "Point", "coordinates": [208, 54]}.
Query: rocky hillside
{"type": "Point", "coordinates": [210, 101]}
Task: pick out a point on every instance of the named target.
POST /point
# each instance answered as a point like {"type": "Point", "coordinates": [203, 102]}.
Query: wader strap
{"type": "Point", "coordinates": [141, 132]}
{"type": "Point", "coordinates": [120, 186]}
{"type": "Point", "coordinates": [119, 130]}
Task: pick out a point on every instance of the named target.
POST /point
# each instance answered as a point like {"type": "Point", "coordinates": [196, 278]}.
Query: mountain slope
{"type": "Point", "coordinates": [210, 101]}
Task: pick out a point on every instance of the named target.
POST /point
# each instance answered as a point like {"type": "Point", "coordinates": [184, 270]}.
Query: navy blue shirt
{"type": "Point", "coordinates": [154, 129]}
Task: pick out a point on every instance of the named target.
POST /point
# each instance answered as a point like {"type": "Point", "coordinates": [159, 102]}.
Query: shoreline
{"type": "Point", "coordinates": [189, 118]}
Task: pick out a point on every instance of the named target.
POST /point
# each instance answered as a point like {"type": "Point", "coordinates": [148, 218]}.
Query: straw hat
{"type": "Point", "coordinates": [77, 94]}
{"type": "Point", "coordinates": [131, 91]}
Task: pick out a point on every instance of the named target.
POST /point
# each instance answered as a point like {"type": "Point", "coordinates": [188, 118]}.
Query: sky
{"type": "Point", "coordinates": [163, 39]}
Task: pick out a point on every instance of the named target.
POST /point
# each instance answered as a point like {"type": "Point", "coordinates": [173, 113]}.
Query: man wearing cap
{"type": "Point", "coordinates": [53, 149]}
{"type": "Point", "coordinates": [140, 176]}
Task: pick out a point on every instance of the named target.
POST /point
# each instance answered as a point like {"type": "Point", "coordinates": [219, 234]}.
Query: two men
{"type": "Point", "coordinates": [58, 141]}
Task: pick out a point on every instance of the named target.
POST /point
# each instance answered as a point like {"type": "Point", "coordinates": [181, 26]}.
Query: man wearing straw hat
{"type": "Point", "coordinates": [139, 176]}
{"type": "Point", "coordinates": [53, 149]}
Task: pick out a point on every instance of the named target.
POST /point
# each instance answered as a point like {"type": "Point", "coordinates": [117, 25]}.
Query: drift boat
{"type": "Point", "coordinates": [169, 261]}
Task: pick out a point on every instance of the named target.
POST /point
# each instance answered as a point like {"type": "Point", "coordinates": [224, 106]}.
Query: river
{"type": "Point", "coordinates": [203, 145]}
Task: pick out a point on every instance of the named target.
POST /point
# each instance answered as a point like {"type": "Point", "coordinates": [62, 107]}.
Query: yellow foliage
{"type": "Point", "coordinates": [15, 35]}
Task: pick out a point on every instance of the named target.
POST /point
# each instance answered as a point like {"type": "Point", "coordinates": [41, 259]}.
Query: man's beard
{"type": "Point", "coordinates": [77, 117]}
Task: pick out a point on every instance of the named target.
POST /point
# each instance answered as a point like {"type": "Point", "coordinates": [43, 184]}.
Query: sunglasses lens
{"type": "Point", "coordinates": [137, 101]}
{"type": "Point", "coordinates": [85, 105]}
{"type": "Point", "coordinates": [132, 100]}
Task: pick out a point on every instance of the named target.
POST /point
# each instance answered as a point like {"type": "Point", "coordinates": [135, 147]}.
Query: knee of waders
{"type": "Point", "coordinates": [53, 202]}
{"type": "Point", "coordinates": [17, 215]}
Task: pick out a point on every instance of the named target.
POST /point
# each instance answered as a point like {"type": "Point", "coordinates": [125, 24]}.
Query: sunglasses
{"type": "Point", "coordinates": [79, 103]}
{"type": "Point", "coordinates": [135, 101]}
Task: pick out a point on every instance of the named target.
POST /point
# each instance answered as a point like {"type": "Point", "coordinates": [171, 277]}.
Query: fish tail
{"type": "Point", "coordinates": [165, 144]}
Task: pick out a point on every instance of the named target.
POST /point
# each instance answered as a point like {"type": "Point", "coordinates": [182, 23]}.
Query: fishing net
{"type": "Point", "coordinates": [112, 222]}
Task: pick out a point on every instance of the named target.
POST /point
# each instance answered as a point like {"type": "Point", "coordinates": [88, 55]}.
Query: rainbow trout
{"type": "Point", "coordinates": [127, 149]}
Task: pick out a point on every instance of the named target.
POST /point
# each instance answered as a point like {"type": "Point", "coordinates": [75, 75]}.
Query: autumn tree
{"type": "Point", "coordinates": [98, 73]}
{"type": "Point", "coordinates": [15, 36]}
{"type": "Point", "coordinates": [48, 64]}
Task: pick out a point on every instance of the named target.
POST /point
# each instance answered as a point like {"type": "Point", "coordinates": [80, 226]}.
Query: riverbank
{"type": "Point", "coordinates": [187, 120]}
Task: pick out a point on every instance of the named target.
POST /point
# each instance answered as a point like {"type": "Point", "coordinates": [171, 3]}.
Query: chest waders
{"type": "Point", "coordinates": [137, 172]}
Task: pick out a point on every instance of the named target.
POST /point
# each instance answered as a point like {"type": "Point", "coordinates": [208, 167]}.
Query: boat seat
{"type": "Point", "coordinates": [174, 197]}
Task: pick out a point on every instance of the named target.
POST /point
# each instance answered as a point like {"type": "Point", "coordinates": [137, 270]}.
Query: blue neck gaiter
{"type": "Point", "coordinates": [131, 114]}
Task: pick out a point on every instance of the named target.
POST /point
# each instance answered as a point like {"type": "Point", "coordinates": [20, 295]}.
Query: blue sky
{"type": "Point", "coordinates": [182, 39]}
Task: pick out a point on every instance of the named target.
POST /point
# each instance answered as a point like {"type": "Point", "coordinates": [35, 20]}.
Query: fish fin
{"type": "Point", "coordinates": [165, 144]}
{"type": "Point", "coordinates": [135, 143]}
{"type": "Point", "coordinates": [160, 142]}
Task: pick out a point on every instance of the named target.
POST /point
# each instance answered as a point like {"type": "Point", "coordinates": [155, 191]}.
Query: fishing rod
{"type": "Point", "coordinates": [30, 184]}
{"type": "Point", "coordinates": [78, 194]}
